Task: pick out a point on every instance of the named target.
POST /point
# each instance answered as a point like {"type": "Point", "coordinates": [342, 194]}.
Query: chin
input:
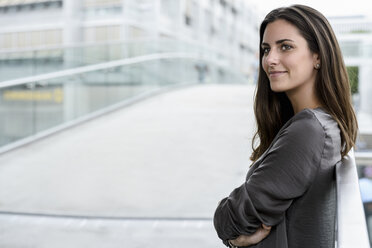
{"type": "Point", "coordinates": [277, 89]}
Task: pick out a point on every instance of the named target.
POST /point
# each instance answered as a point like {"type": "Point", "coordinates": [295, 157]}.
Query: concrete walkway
{"type": "Point", "coordinates": [174, 156]}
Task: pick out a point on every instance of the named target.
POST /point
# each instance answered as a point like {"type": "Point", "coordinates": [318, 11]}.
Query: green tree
{"type": "Point", "coordinates": [353, 72]}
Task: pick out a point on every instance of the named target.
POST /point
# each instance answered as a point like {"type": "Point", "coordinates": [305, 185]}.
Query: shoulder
{"type": "Point", "coordinates": [306, 125]}
{"type": "Point", "coordinates": [317, 121]}
{"type": "Point", "coordinates": [302, 134]}
{"type": "Point", "coordinates": [300, 142]}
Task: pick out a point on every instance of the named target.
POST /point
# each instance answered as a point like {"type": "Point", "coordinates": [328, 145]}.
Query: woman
{"type": "Point", "coordinates": [305, 125]}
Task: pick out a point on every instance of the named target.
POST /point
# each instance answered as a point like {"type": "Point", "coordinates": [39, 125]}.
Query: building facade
{"type": "Point", "coordinates": [227, 27]}
{"type": "Point", "coordinates": [355, 37]}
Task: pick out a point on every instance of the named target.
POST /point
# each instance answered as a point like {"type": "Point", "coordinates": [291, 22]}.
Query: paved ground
{"type": "Point", "coordinates": [171, 156]}
{"type": "Point", "coordinates": [46, 232]}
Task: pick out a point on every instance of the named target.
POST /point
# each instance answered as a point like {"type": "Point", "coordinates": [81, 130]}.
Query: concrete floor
{"type": "Point", "coordinates": [168, 159]}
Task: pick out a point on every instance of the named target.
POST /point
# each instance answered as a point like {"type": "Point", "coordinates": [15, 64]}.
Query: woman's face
{"type": "Point", "coordinates": [287, 60]}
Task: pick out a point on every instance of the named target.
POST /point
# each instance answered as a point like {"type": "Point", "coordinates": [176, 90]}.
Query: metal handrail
{"type": "Point", "coordinates": [103, 66]}
{"type": "Point", "coordinates": [351, 224]}
{"type": "Point", "coordinates": [106, 43]}
{"type": "Point", "coordinates": [204, 47]}
{"type": "Point", "coordinates": [74, 45]}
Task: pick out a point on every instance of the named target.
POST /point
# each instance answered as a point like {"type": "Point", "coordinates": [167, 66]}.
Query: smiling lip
{"type": "Point", "coordinates": [276, 73]}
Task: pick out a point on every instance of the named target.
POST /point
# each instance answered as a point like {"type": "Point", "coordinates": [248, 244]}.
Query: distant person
{"type": "Point", "coordinates": [202, 70]}
{"type": "Point", "coordinates": [305, 125]}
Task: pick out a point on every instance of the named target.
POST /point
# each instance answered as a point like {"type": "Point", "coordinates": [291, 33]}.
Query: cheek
{"type": "Point", "coordinates": [298, 65]}
{"type": "Point", "coordinates": [264, 65]}
{"type": "Point", "coordinates": [305, 69]}
{"type": "Point", "coordinates": [305, 64]}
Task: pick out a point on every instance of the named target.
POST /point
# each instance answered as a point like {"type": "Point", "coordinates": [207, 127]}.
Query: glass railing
{"type": "Point", "coordinates": [29, 62]}
{"type": "Point", "coordinates": [35, 106]}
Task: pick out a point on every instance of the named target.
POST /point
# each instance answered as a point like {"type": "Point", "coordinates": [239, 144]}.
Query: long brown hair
{"type": "Point", "coordinates": [273, 110]}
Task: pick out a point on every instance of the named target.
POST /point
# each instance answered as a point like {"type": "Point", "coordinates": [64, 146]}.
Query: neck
{"type": "Point", "coordinates": [303, 98]}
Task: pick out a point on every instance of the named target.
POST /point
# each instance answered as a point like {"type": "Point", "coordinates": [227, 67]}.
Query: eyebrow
{"type": "Point", "coordinates": [276, 42]}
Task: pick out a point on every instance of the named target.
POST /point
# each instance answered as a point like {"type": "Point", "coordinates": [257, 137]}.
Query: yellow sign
{"type": "Point", "coordinates": [34, 95]}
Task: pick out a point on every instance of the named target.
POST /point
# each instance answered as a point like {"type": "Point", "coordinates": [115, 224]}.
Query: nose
{"type": "Point", "coordinates": [272, 58]}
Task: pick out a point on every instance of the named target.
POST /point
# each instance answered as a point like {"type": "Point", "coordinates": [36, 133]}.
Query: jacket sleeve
{"type": "Point", "coordinates": [285, 173]}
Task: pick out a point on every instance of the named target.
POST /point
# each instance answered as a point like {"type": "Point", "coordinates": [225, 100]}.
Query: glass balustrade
{"type": "Point", "coordinates": [33, 106]}
{"type": "Point", "coordinates": [29, 62]}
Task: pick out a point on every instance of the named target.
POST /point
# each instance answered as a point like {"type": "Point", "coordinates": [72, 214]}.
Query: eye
{"type": "Point", "coordinates": [286, 47]}
{"type": "Point", "coordinates": [265, 50]}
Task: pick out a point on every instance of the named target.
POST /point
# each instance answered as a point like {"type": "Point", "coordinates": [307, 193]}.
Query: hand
{"type": "Point", "coordinates": [258, 236]}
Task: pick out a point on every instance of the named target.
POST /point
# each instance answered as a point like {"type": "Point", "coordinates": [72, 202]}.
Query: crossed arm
{"type": "Point", "coordinates": [284, 174]}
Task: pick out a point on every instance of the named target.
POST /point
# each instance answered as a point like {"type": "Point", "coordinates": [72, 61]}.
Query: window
{"type": "Point", "coordinates": [170, 8]}
{"type": "Point", "coordinates": [102, 33]}
{"type": "Point", "coordinates": [31, 38]}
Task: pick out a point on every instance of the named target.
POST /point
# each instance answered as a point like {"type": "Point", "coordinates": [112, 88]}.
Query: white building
{"type": "Point", "coordinates": [229, 27]}
{"type": "Point", "coordinates": [355, 37]}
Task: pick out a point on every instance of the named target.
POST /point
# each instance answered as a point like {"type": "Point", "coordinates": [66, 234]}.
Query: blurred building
{"type": "Point", "coordinates": [229, 27]}
{"type": "Point", "coordinates": [355, 37]}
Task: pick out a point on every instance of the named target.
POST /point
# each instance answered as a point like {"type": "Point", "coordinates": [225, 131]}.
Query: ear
{"type": "Point", "coordinates": [316, 61]}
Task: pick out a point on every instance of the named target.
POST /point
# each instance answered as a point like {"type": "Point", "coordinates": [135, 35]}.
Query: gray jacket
{"type": "Point", "coordinates": [291, 187]}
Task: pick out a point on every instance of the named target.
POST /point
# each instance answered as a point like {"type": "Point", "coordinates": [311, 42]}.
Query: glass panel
{"type": "Point", "coordinates": [17, 109]}
{"type": "Point", "coordinates": [46, 104]}
{"type": "Point", "coordinates": [29, 62]}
